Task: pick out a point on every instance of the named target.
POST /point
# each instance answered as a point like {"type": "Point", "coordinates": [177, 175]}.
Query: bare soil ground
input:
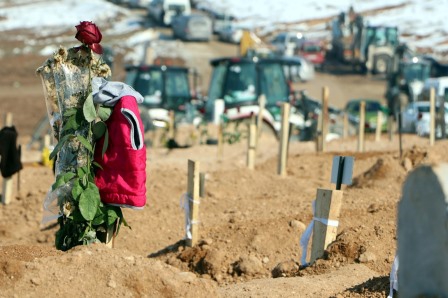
{"type": "Point", "coordinates": [250, 221]}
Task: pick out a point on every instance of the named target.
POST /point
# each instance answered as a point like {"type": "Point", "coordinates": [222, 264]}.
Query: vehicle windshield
{"type": "Point", "coordinates": [416, 72]}
{"type": "Point", "coordinates": [381, 36]}
{"type": "Point", "coordinates": [240, 83]}
{"type": "Point", "coordinates": [273, 83]}
{"type": "Point", "coordinates": [149, 84]}
{"type": "Point", "coordinates": [237, 83]}
{"type": "Point", "coordinates": [177, 88]}
{"type": "Point", "coordinates": [217, 82]}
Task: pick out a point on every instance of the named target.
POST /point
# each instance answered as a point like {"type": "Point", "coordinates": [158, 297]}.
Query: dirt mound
{"type": "Point", "coordinates": [413, 157]}
{"type": "Point", "coordinates": [377, 287]}
{"type": "Point", "coordinates": [98, 271]}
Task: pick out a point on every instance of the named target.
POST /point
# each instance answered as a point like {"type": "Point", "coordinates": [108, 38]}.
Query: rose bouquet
{"type": "Point", "coordinates": [77, 123]}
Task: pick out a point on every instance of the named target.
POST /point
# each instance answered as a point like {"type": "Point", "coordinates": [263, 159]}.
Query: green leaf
{"type": "Point", "coordinates": [104, 112]}
{"type": "Point", "coordinates": [58, 146]}
{"type": "Point", "coordinates": [71, 123]}
{"type": "Point", "coordinates": [112, 216]}
{"type": "Point", "coordinates": [88, 109]}
{"type": "Point", "coordinates": [97, 165]}
{"type": "Point", "coordinates": [99, 129]}
{"type": "Point", "coordinates": [70, 112]}
{"type": "Point", "coordinates": [106, 143]}
{"type": "Point", "coordinates": [62, 179]}
{"type": "Point", "coordinates": [99, 218]}
{"type": "Point", "coordinates": [89, 201]}
{"type": "Point", "coordinates": [85, 142]}
{"type": "Point", "coordinates": [77, 191]}
{"type": "Point", "coordinates": [81, 171]}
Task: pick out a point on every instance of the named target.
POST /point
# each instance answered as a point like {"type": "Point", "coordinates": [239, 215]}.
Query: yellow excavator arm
{"type": "Point", "coordinates": [251, 42]}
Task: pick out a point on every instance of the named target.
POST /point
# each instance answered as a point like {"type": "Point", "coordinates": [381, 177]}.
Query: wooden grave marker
{"type": "Point", "coordinates": [284, 140]}
{"type": "Point", "coordinates": [379, 126]}
{"type": "Point", "coordinates": [251, 146]}
{"type": "Point", "coordinates": [432, 117]}
{"type": "Point", "coordinates": [322, 122]}
{"type": "Point", "coordinates": [261, 107]}
{"type": "Point", "coordinates": [328, 207]}
{"type": "Point", "coordinates": [221, 139]}
{"type": "Point", "coordinates": [171, 125]}
{"type": "Point", "coordinates": [193, 198]}
{"type": "Point", "coordinates": [345, 127]}
{"type": "Point", "coordinates": [7, 182]}
{"type": "Point", "coordinates": [362, 124]}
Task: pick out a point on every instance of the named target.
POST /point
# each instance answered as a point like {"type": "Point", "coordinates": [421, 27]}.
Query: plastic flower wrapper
{"type": "Point", "coordinates": [76, 122]}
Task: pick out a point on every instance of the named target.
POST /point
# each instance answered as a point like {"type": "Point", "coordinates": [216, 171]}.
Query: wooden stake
{"type": "Point", "coordinates": [362, 124]}
{"type": "Point", "coordinates": [390, 127]}
{"type": "Point", "coordinates": [202, 185]}
{"type": "Point", "coordinates": [171, 125]}
{"type": "Point", "coordinates": [220, 140]}
{"type": "Point", "coordinates": [193, 201]}
{"type": "Point", "coordinates": [284, 140]}
{"type": "Point", "coordinates": [328, 208]}
{"type": "Point", "coordinates": [251, 146]}
{"type": "Point", "coordinates": [379, 126]}
{"type": "Point", "coordinates": [325, 116]}
{"type": "Point", "coordinates": [261, 106]}
{"type": "Point", "coordinates": [319, 139]}
{"type": "Point", "coordinates": [345, 131]}
{"type": "Point", "coordinates": [432, 115]}
{"type": "Point", "coordinates": [7, 182]}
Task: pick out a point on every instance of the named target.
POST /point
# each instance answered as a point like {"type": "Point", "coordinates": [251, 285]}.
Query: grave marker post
{"type": "Point", "coordinates": [251, 146]}
{"type": "Point", "coordinates": [379, 126]}
{"type": "Point", "coordinates": [193, 201]}
{"type": "Point", "coordinates": [362, 124]}
{"type": "Point", "coordinates": [284, 140]}
{"type": "Point", "coordinates": [7, 182]}
{"type": "Point", "coordinates": [328, 207]}
{"type": "Point", "coordinates": [432, 113]}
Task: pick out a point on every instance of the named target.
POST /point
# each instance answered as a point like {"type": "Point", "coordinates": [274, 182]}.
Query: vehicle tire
{"type": "Point", "coordinates": [380, 64]}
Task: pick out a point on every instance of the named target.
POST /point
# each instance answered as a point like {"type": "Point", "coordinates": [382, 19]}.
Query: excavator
{"type": "Point", "coordinates": [364, 47]}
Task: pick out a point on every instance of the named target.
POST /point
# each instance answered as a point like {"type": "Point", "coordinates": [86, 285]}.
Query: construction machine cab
{"type": "Point", "coordinates": [164, 88]}
{"type": "Point", "coordinates": [240, 81]}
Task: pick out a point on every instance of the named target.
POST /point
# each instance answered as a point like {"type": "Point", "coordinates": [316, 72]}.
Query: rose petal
{"type": "Point", "coordinates": [96, 47]}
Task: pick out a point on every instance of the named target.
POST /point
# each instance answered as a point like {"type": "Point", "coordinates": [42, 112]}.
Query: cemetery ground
{"type": "Point", "coordinates": [250, 221]}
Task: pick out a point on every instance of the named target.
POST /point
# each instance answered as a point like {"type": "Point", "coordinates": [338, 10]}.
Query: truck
{"type": "Point", "coordinates": [364, 47]}
{"type": "Point", "coordinates": [163, 11]}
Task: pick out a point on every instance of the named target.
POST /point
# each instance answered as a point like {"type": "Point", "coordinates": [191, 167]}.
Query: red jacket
{"type": "Point", "coordinates": [122, 179]}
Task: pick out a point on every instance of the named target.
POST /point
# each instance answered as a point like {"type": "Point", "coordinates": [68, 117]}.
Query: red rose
{"type": "Point", "coordinates": [89, 34]}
